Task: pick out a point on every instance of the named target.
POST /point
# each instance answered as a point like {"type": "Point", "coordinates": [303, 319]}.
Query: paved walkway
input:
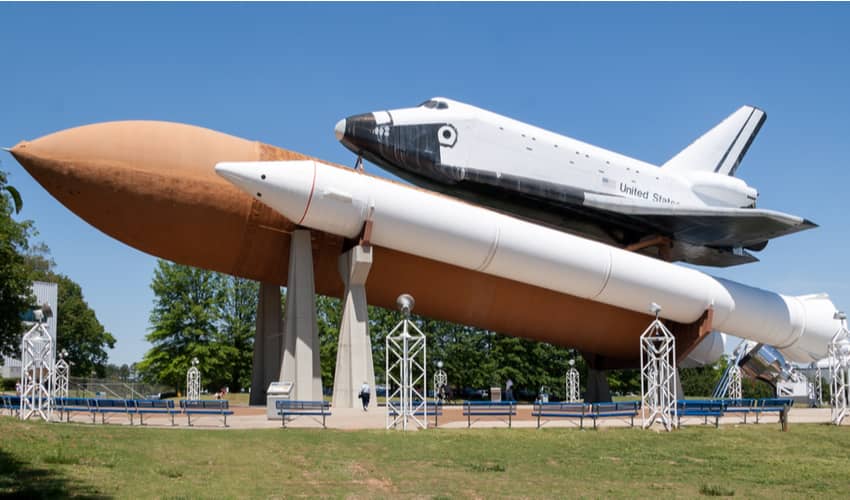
{"type": "Point", "coordinates": [452, 418]}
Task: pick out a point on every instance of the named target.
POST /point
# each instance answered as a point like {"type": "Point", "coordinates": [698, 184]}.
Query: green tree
{"type": "Point", "coordinates": [15, 293]}
{"type": "Point", "coordinates": [328, 317]}
{"type": "Point", "coordinates": [238, 313]}
{"type": "Point", "coordinates": [184, 325]}
{"type": "Point", "coordinates": [78, 330]}
{"type": "Point", "coordinates": [700, 381]}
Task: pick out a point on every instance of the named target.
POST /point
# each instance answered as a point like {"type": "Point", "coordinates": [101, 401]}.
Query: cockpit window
{"type": "Point", "coordinates": [432, 104]}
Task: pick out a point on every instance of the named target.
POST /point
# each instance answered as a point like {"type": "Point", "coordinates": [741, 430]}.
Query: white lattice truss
{"type": "Point", "coordinates": [407, 378]}
{"type": "Point", "coordinates": [193, 384]}
{"type": "Point", "coordinates": [37, 373]}
{"type": "Point", "coordinates": [658, 376]}
{"type": "Point", "coordinates": [573, 386]}
{"type": "Point", "coordinates": [734, 390]}
{"type": "Point", "coordinates": [61, 372]}
{"type": "Point", "coordinates": [440, 380]}
{"type": "Point", "coordinates": [839, 374]}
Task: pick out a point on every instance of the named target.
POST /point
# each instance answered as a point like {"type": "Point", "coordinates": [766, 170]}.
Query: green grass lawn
{"type": "Point", "coordinates": [41, 460]}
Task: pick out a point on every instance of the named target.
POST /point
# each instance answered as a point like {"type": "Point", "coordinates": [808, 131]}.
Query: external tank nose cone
{"type": "Point", "coordinates": [152, 186]}
{"type": "Point", "coordinates": [339, 129]}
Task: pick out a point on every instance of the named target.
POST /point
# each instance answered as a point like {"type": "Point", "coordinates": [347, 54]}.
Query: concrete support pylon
{"type": "Point", "coordinates": [598, 390]}
{"type": "Point", "coordinates": [300, 332]}
{"type": "Point", "coordinates": [678, 391]}
{"type": "Point", "coordinates": [354, 353]}
{"type": "Point", "coordinates": [268, 342]}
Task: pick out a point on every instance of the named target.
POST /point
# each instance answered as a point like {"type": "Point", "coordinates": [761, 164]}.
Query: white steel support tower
{"type": "Point", "coordinates": [658, 374]}
{"type": "Point", "coordinates": [724, 388]}
{"type": "Point", "coordinates": [573, 384]}
{"type": "Point", "coordinates": [193, 382]}
{"type": "Point", "coordinates": [735, 389]}
{"type": "Point", "coordinates": [37, 364]}
{"type": "Point", "coordinates": [406, 375]}
{"type": "Point", "coordinates": [839, 371]}
{"type": "Point", "coordinates": [61, 372]}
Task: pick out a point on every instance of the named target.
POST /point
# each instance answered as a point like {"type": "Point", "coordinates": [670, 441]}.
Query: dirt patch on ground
{"type": "Point", "coordinates": [362, 476]}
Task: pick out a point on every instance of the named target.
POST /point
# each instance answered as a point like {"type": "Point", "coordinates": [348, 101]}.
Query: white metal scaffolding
{"type": "Point", "coordinates": [573, 384]}
{"type": "Point", "coordinates": [406, 374]}
{"type": "Point", "coordinates": [839, 372]}
{"type": "Point", "coordinates": [61, 372]}
{"type": "Point", "coordinates": [37, 373]}
{"type": "Point", "coordinates": [193, 382]}
{"type": "Point", "coordinates": [735, 389]}
{"type": "Point", "coordinates": [658, 374]}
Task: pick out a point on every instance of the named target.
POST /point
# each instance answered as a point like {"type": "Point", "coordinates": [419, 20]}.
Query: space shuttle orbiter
{"type": "Point", "coordinates": [692, 208]}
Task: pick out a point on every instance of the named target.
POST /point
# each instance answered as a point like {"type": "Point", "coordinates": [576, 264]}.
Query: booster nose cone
{"type": "Point", "coordinates": [233, 172]}
{"type": "Point", "coordinates": [287, 189]}
{"type": "Point", "coordinates": [339, 129]}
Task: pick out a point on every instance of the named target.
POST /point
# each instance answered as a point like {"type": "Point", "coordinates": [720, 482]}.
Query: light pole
{"type": "Point", "coordinates": [573, 383]}
{"type": "Point", "coordinates": [193, 382]}
{"type": "Point", "coordinates": [406, 372]}
{"type": "Point", "coordinates": [440, 382]}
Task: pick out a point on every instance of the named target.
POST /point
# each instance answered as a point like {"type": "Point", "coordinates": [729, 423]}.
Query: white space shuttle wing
{"type": "Point", "coordinates": [710, 226]}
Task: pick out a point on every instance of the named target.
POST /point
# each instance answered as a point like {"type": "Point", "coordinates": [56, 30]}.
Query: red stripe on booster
{"type": "Point", "coordinates": [310, 199]}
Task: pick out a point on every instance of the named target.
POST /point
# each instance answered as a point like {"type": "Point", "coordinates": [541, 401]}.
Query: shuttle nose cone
{"type": "Point", "coordinates": [357, 133]}
{"type": "Point", "coordinates": [339, 129]}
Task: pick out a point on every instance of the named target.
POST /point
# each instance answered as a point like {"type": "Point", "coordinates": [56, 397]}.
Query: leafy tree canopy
{"type": "Point", "coordinates": [78, 330]}
{"type": "Point", "coordinates": [15, 293]}
{"type": "Point", "coordinates": [200, 314]}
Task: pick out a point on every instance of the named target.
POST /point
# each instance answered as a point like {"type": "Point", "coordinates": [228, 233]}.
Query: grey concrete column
{"type": "Point", "coordinates": [301, 333]}
{"type": "Point", "coordinates": [354, 353]}
{"type": "Point", "coordinates": [678, 392]}
{"type": "Point", "coordinates": [268, 342]}
{"type": "Point", "coordinates": [597, 387]}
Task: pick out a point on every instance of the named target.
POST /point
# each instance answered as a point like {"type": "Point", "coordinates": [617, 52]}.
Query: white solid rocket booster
{"type": "Point", "coordinates": [411, 220]}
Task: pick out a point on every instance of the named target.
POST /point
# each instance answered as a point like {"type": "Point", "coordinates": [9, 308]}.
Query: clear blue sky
{"type": "Point", "coordinates": [643, 80]}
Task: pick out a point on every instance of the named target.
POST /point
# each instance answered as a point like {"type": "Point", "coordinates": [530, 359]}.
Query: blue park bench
{"type": "Point", "coordinates": [560, 410]}
{"type": "Point", "coordinates": [107, 406]}
{"type": "Point", "coordinates": [144, 407]}
{"type": "Point", "coordinates": [705, 408]}
{"type": "Point", "coordinates": [287, 408]}
{"type": "Point", "coordinates": [11, 403]}
{"type": "Point", "coordinates": [782, 406]}
{"type": "Point", "coordinates": [435, 409]}
{"type": "Point", "coordinates": [622, 409]}
{"type": "Point", "coordinates": [581, 411]}
{"type": "Point", "coordinates": [66, 406]}
{"type": "Point", "coordinates": [218, 407]}
{"type": "Point", "coordinates": [488, 409]}
{"type": "Point", "coordinates": [743, 406]}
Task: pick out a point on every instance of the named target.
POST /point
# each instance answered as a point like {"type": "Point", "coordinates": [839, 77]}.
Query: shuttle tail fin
{"type": "Point", "coordinates": [722, 148]}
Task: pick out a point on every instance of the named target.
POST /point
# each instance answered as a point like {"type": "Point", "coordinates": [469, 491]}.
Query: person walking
{"type": "Point", "coordinates": [509, 390]}
{"type": "Point", "coordinates": [365, 394]}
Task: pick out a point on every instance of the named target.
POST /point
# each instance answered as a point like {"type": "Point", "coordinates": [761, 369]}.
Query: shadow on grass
{"type": "Point", "coordinates": [21, 480]}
